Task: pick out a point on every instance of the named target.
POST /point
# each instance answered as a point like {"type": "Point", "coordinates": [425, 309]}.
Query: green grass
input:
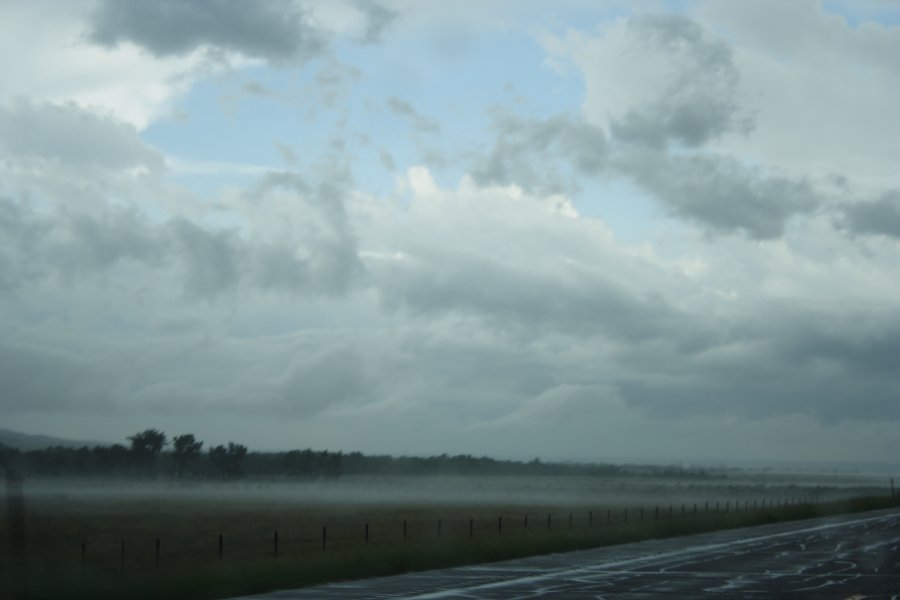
{"type": "Point", "coordinates": [189, 565]}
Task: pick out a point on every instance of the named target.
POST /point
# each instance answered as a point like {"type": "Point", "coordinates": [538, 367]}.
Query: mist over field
{"type": "Point", "coordinates": [593, 232]}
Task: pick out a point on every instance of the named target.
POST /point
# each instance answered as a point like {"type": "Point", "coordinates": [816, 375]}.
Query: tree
{"type": "Point", "coordinates": [185, 449]}
{"type": "Point", "coordinates": [146, 446]}
{"type": "Point", "coordinates": [228, 459]}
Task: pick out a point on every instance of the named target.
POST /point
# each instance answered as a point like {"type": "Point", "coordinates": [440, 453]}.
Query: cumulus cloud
{"type": "Point", "coordinates": [210, 260]}
{"type": "Point", "coordinates": [656, 79]}
{"type": "Point", "coordinates": [538, 153]}
{"type": "Point", "coordinates": [719, 192]}
{"type": "Point", "coordinates": [72, 136]}
{"type": "Point", "coordinates": [269, 30]}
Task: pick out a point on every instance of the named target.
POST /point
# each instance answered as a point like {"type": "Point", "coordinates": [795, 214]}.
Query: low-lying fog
{"type": "Point", "coordinates": [519, 490]}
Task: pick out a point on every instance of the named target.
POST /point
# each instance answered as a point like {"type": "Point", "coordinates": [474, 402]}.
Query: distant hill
{"type": "Point", "coordinates": [27, 441]}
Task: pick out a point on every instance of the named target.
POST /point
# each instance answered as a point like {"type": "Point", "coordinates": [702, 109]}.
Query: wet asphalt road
{"type": "Point", "coordinates": [855, 556]}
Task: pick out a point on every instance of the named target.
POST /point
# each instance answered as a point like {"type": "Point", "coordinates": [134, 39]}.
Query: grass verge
{"type": "Point", "coordinates": [248, 575]}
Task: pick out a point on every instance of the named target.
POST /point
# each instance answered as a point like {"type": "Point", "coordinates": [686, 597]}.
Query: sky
{"type": "Point", "coordinates": [598, 231]}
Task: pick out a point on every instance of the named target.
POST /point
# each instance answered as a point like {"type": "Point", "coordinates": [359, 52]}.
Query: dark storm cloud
{"type": "Point", "coordinates": [268, 29]}
{"type": "Point", "coordinates": [879, 217]}
{"type": "Point", "coordinates": [73, 136]}
{"type": "Point", "coordinates": [46, 379]}
{"type": "Point", "coordinates": [527, 298]}
{"type": "Point", "coordinates": [832, 366]}
{"type": "Point", "coordinates": [720, 193]}
{"type": "Point", "coordinates": [536, 153]}
{"type": "Point", "coordinates": [698, 104]}
{"type": "Point", "coordinates": [334, 377]}
{"type": "Point", "coordinates": [211, 259]}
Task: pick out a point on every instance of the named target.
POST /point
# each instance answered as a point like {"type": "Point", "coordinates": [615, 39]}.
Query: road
{"type": "Point", "coordinates": [845, 557]}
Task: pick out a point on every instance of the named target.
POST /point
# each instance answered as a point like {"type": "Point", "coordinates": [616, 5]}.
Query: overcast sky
{"type": "Point", "coordinates": [582, 230]}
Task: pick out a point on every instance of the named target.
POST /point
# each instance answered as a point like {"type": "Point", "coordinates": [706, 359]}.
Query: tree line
{"type": "Point", "coordinates": [150, 453]}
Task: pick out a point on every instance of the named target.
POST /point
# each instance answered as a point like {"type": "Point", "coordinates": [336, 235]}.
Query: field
{"type": "Point", "coordinates": [152, 540]}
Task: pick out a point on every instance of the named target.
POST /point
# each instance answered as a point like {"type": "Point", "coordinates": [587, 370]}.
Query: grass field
{"type": "Point", "coordinates": [76, 534]}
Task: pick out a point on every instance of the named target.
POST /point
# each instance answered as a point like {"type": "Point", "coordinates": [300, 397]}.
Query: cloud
{"type": "Point", "coordinates": [208, 260]}
{"type": "Point", "coordinates": [878, 217]}
{"type": "Point", "coordinates": [378, 19]}
{"type": "Point", "coordinates": [421, 123]}
{"type": "Point", "coordinates": [720, 193]}
{"type": "Point", "coordinates": [821, 88]}
{"type": "Point", "coordinates": [276, 31]}
{"type": "Point", "coordinates": [656, 79]}
{"type": "Point", "coordinates": [73, 137]}
{"type": "Point", "coordinates": [539, 154]}
{"type": "Point", "coordinates": [47, 380]}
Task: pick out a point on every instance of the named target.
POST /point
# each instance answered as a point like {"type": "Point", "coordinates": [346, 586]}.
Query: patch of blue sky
{"type": "Point", "coordinates": [627, 210]}
{"type": "Point", "coordinates": [859, 12]}
{"type": "Point", "coordinates": [458, 91]}
{"type": "Point", "coordinates": [227, 132]}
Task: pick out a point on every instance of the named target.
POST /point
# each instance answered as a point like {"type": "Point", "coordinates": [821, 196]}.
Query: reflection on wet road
{"type": "Point", "coordinates": [836, 557]}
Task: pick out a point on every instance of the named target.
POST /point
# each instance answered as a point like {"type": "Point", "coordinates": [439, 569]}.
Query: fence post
{"type": "Point", "coordinates": [220, 547]}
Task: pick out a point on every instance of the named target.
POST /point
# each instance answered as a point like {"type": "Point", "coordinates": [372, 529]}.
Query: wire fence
{"type": "Point", "coordinates": [147, 552]}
